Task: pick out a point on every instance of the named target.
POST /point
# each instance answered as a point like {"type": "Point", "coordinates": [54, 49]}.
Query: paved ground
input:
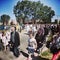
{"type": "Point", "coordinates": [23, 56]}
{"type": "Point", "coordinates": [23, 46]}
{"type": "Point", "coordinates": [24, 39]}
{"type": "Point", "coordinates": [8, 55]}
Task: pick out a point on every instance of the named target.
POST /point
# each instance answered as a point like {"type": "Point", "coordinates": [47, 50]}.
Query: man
{"type": "Point", "coordinates": [14, 41]}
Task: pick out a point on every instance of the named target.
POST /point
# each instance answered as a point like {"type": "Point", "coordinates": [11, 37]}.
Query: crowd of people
{"type": "Point", "coordinates": [39, 34]}
{"type": "Point", "coordinates": [10, 39]}
{"type": "Point", "coordinates": [44, 34]}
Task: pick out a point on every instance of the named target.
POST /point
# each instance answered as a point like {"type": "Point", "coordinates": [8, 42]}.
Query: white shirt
{"type": "Point", "coordinates": [8, 36]}
{"type": "Point", "coordinates": [4, 40]}
{"type": "Point", "coordinates": [34, 29]}
{"type": "Point", "coordinates": [27, 28]}
{"type": "Point", "coordinates": [32, 43]}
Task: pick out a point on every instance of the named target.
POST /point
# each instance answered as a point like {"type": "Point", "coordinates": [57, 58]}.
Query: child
{"type": "Point", "coordinates": [32, 45]}
{"type": "Point", "coordinates": [4, 40]}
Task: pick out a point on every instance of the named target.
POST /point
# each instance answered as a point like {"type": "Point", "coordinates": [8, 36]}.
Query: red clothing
{"type": "Point", "coordinates": [55, 56]}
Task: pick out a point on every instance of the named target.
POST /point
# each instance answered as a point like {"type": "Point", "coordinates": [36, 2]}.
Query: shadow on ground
{"type": "Point", "coordinates": [24, 54]}
{"type": "Point", "coordinates": [33, 58]}
{"type": "Point", "coordinates": [39, 58]}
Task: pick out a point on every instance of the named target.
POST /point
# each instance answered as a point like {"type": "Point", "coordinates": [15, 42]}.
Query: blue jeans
{"type": "Point", "coordinates": [31, 50]}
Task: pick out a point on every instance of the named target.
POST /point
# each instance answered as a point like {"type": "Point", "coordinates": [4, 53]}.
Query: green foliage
{"type": "Point", "coordinates": [5, 18]}
{"type": "Point", "coordinates": [32, 10]}
{"type": "Point", "coordinates": [47, 54]}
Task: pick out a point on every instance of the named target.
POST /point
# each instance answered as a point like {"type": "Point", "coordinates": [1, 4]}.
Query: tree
{"type": "Point", "coordinates": [5, 18]}
{"type": "Point", "coordinates": [46, 14]}
{"type": "Point", "coordinates": [21, 10]}
{"type": "Point", "coordinates": [32, 10]}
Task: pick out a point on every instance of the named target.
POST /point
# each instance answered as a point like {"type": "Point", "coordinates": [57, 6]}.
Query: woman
{"type": "Point", "coordinates": [4, 40]}
{"type": "Point", "coordinates": [39, 39]}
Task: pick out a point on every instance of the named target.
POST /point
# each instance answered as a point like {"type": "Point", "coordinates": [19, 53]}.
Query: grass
{"type": "Point", "coordinates": [46, 54]}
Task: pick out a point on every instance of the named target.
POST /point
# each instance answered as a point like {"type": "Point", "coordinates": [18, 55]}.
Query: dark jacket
{"type": "Point", "coordinates": [16, 42]}
{"type": "Point", "coordinates": [39, 40]}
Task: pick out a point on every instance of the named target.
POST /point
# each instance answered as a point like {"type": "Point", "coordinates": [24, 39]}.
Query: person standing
{"type": "Point", "coordinates": [32, 45]}
{"type": "Point", "coordinates": [14, 41]}
{"type": "Point", "coordinates": [4, 40]}
{"type": "Point", "coordinates": [8, 36]}
{"type": "Point", "coordinates": [56, 51]}
{"type": "Point", "coordinates": [39, 39]}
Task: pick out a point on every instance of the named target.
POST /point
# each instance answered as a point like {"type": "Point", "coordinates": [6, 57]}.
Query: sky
{"type": "Point", "coordinates": [6, 7]}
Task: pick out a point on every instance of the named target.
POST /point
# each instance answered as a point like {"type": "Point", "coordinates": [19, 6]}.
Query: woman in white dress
{"type": "Point", "coordinates": [4, 40]}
